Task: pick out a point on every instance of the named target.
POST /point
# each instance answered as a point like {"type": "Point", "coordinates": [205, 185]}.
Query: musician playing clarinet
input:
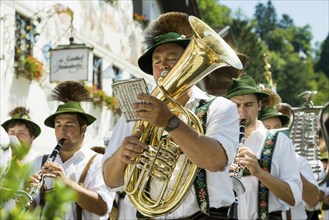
{"type": "Point", "coordinates": [271, 177]}
{"type": "Point", "coordinates": [70, 122]}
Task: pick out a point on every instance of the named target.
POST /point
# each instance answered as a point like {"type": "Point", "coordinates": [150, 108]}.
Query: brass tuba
{"type": "Point", "coordinates": [305, 124]}
{"type": "Point", "coordinates": [162, 175]}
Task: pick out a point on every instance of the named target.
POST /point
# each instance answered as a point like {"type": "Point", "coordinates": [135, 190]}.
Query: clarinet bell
{"type": "Point", "coordinates": [237, 185]}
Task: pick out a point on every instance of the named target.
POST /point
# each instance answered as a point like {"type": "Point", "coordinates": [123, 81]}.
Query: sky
{"type": "Point", "coordinates": [312, 12]}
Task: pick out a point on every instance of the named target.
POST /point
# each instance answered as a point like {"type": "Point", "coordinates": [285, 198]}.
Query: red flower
{"type": "Point", "coordinates": [263, 204]}
{"type": "Point", "coordinates": [34, 67]}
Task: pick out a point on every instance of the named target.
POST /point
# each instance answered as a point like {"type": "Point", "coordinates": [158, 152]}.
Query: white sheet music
{"type": "Point", "coordinates": [126, 92]}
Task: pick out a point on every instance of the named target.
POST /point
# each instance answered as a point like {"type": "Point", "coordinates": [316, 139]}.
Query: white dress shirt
{"type": "Point", "coordinates": [222, 125]}
{"type": "Point", "coordinates": [284, 166]}
{"type": "Point", "coordinates": [93, 181]}
{"type": "Point", "coordinates": [31, 155]}
{"type": "Point", "coordinates": [305, 169]}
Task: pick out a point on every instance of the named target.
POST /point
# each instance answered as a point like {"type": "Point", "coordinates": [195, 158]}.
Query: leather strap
{"type": "Point", "coordinates": [288, 214]}
{"type": "Point", "coordinates": [81, 183]}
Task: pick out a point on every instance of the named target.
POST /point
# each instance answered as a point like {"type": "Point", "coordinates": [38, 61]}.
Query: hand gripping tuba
{"type": "Point", "coordinates": [162, 175]}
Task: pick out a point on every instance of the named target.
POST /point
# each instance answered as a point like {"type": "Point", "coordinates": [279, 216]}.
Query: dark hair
{"type": "Point", "coordinates": [258, 97]}
{"type": "Point", "coordinates": [21, 122]}
{"type": "Point", "coordinates": [82, 120]}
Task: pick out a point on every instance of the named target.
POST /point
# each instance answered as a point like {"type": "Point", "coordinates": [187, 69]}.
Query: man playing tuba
{"type": "Point", "coordinates": [211, 192]}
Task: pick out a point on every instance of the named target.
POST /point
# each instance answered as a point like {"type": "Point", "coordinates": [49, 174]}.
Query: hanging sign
{"type": "Point", "coordinates": [71, 62]}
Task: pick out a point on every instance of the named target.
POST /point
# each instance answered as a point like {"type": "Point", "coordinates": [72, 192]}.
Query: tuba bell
{"type": "Point", "coordinates": [304, 125]}
{"type": "Point", "coordinates": [162, 175]}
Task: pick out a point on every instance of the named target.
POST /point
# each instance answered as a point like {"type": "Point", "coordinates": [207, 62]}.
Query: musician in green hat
{"type": "Point", "coordinates": [271, 186]}
{"type": "Point", "coordinates": [76, 164]}
{"type": "Point", "coordinates": [22, 131]}
{"type": "Point", "coordinates": [271, 116]}
{"type": "Point", "coordinates": [274, 119]}
{"type": "Point", "coordinates": [169, 55]}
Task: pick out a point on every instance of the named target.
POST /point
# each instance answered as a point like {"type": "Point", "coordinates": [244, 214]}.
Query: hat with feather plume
{"type": "Point", "coordinates": [171, 27]}
{"type": "Point", "coordinates": [71, 93]}
{"type": "Point", "coordinates": [271, 106]}
{"type": "Point", "coordinates": [273, 100]}
{"type": "Point", "coordinates": [22, 114]}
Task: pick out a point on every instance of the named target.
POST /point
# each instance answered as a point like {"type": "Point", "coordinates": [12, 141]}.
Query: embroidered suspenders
{"type": "Point", "coordinates": [200, 182]}
{"type": "Point", "coordinates": [265, 163]}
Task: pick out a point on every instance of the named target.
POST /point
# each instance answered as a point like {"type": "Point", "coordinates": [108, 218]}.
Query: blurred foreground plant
{"type": "Point", "coordinates": [13, 199]}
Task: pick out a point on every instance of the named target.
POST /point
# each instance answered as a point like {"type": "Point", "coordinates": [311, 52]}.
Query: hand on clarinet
{"type": "Point", "coordinates": [53, 170]}
{"type": "Point", "coordinates": [32, 182]}
{"type": "Point", "coordinates": [247, 159]}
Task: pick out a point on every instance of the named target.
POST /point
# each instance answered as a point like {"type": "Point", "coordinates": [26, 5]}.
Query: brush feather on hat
{"type": "Point", "coordinates": [176, 22]}
{"type": "Point", "coordinates": [21, 113]}
{"type": "Point", "coordinates": [71, 91]}
{"type": "Point", "coordinates": [273, 100]}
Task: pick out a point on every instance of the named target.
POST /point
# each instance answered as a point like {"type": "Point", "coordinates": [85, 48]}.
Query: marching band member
{"type": "Point", "coordinates": [273, 119]}
{"type": "Point", "coordinates": [275, 184]}
{"type": "Point", "coordinates": [22, 131]}
{"type": "Point", "coordinates": [22, 127]}
{"type": "Point", "coordinates": [167, 39]}
{"type": "Point", "coordinates": [75, 160]}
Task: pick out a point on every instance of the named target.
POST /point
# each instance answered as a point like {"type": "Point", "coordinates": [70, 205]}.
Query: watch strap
{"type": "Point", "coordinates": [172, 124]}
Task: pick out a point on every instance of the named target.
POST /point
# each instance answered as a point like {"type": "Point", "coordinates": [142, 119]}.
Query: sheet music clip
{"type": "Point", "coordinates": [126, 92]}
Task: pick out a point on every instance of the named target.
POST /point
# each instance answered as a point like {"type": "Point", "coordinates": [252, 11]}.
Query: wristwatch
{"type": "Point", "coordinates": [172, 124]}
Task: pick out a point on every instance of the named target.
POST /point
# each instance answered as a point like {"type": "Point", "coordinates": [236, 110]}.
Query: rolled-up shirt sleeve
{"type": "Point", "coordinates": [94, 182]}
{"type": "Point", "coordinates": [289, 171]}
{"type": "Point", "coordinates": [223, 125]}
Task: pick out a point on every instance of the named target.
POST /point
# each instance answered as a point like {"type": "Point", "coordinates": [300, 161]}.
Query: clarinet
{"type": "Point", "coordinates": [35, 189]}
{"type": "Point", "coordinates": [235, 175]}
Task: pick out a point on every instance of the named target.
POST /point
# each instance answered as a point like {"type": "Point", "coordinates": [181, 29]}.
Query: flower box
{"type": "Point", "coordinates": [30, 68]}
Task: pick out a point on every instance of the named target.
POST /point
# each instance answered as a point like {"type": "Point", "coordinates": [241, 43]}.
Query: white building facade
{"type": "Point", "coordinates": [107, 26]}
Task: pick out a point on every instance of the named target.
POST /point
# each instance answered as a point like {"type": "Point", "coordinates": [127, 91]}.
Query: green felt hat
{"type": "Point", "coordinates": [243, 86]}
{"type": "Point", "coordinates": [145, 61]}
{"type": "Point", "coordinates": [270, 112]}
{"type": "Point", "coordinates": [25, 118]}
{"type": "Point", "coordinates": [69, 107]}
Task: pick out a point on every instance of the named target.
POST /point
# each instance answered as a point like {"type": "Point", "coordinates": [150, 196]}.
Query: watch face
{"type": "Point", "coordinates": [172, 124]}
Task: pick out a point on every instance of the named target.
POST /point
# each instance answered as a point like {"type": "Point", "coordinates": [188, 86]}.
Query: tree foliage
{"type": "Point", "coordinates": [243, 36]}
{"type": "Point", "coordinates": [323, 60]}
{"type": "Point", "coordinates": [286, 22]}
{"type": "Point", "coordinates": [293, 66]}
{"type": "Point", "coordinates": [219, 17]}
{"type": "Point", "coordinates": [266, 19]}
